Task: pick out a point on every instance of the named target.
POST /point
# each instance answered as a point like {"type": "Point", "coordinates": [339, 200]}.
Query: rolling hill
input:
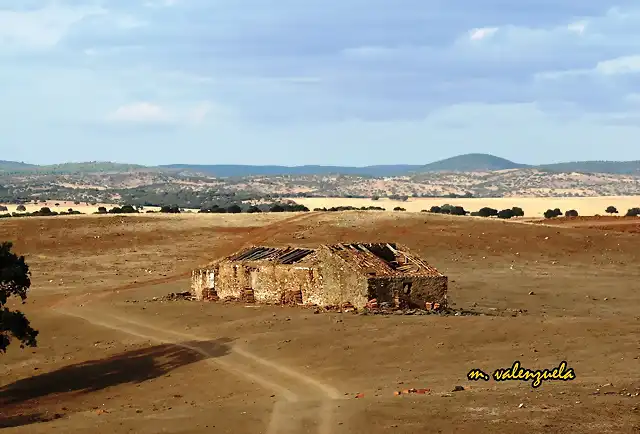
{"type": "Point", "coordinates": [461, 163]}
{"type": "Point", "coordinates": [471, 163]}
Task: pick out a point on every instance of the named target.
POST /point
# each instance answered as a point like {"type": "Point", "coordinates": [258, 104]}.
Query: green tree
{"type": "Point", "coordinates": [14, 282]}
{"type": "Point", "coordinates": [611, 210]}
{"type": "Point", "coordinates": [505, 214]}
{"type": "Point", "coordinates": [517, 211]}
{"type": "Point", "coordinates": [487, 212]}
{"type": "Point", "coordinates": [571, 213]}
{"type": "Point", "coordinates": [633, 212]}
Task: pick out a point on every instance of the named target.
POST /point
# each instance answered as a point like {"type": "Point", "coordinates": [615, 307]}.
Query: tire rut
{"type": "Point", "coordinates": [304, 404]}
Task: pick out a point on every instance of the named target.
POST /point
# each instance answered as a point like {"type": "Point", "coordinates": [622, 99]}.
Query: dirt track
{"type": "Point", "coordinates": [110, 360]}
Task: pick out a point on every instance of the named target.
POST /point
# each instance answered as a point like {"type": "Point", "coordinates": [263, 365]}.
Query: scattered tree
{"type": "Point", "coordinates": [517, 211]}
{"type": "Point", "coordinates": [276, 208]}
{"type": "Point", "coordinates": [3, 208]}
{"type": "Point", "coordinates": [487, 212]}
{"type": "Point", "coordinates": [14, 282]}
{"type": "Point", "coordinates": [253, 209]}
{"type": "Point", "coordinates": [505, 214]}
{"type": "Point", "coordinates": [399, 208]}
{"type": "Point", "coordinates": [633, 212]}
{"type": "Point", "coordinates": [234, 209]}
{"type": "Point", "coordinates": [611, 210]}
{"type": "Point", "coordinates": [21, 208]}
{"type": "Point", "coordinates": [375, 197]}
{"type": "Point", "coordinates": [171, 209]}
{"type": "Point", "coordinates": [457, 210]}
{"type": "Point", "coordinates": [551, 213]}
{"type": "Point", "coordinates": [435, 209]}
{"type": "Point", "coordinates": [571, 213]}
{"type": "Point", "coordinates": [102, 210]}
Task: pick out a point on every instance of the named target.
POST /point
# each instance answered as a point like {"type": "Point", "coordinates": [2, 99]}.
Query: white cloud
{"type": "Point", "coordinates": [482, 33]}
{"type": "Point", "coordinates": [140, 112]}
{"type": "Point", "coordinates": [620, 65]}
{"type": "Point", "coordinates": [177, 114]}
{"type": "Point", "coordinates": [41, 28]}
{"type": "Point", "coordinates": [578, 27]}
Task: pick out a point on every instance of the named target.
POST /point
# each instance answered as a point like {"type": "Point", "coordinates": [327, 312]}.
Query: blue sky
{"type": "Point", "coordinates": [351, 82]}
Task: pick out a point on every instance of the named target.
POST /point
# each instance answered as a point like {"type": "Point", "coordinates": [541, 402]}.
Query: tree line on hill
{"type": "Point", "coordinates": [515, 212]}
{"type": "Point", "coordinates": [482, 212]}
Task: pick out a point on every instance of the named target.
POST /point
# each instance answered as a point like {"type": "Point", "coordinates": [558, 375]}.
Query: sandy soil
{"type": "Point", "coordinates": [111, 359]}
{"type": "Point", "coordinates": [532, 206]}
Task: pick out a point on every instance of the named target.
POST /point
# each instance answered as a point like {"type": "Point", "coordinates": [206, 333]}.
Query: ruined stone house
{"type": "Point", "coordinates": [330, 275]}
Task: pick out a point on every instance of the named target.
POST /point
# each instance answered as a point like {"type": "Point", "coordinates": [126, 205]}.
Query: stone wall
{"type": "Point", "coordinates": [231, 279]}
{"type": "Point", "coordinates": [414, 291]}
{"type": "Point", "coordinates": [341, 282]}
{"type": "Point", "coordinates": [202, 281]}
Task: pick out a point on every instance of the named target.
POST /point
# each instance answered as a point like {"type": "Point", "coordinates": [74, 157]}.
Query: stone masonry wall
{"type": "Point", "coordinates": [201, 282]}
{"type": "Point", "coordinates": [231, 279]}
{"type": "Point", "coordinates": [340, 283]}
{"type": "Point", "coordinates": [423, 289]}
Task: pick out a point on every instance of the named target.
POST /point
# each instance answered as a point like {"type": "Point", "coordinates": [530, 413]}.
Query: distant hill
{"type": "Point", "coordinates": [460, 163]}
{"type": "Point", "coordinates": [9, 166]}
{"type": "Point", "coordinates": [612, 167]}
{"type": "Point", "coordinates": [70, 168]}
{"type": "Point", "coordinates": [471, 163]}
{"type": "Point", "coordinates": [93, 167]}
{"type": "Point", "coordinates": [231, 170]}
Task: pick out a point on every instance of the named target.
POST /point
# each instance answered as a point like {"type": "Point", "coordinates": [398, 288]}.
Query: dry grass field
{"type": "Point", "coordinates": [113, 360]}
{"type": "Point", "coordinates": [532, 206]}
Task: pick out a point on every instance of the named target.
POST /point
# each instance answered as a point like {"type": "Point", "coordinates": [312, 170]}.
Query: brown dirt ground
{"type": "Point", "coordinates": [112, 360]}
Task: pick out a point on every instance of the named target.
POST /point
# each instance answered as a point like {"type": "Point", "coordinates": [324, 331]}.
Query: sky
{"type": "Point", "coordinates": [339, 82]}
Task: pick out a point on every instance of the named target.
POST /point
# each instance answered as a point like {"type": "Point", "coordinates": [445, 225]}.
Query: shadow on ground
{"type": "Point", "coordinates": [20, 399]}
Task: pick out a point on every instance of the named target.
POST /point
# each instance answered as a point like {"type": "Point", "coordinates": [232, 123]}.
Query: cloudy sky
{"type": "Point", "coordinates": [352, 82]}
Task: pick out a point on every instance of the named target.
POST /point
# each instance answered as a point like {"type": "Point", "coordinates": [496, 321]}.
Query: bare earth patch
{"type": "Point", "coordinates": [111, 359]}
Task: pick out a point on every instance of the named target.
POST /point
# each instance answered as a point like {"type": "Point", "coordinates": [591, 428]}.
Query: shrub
{"type": "Point", "coordinates": [21, 208]}
{"type": "Point", "coordinates": [102, 210]}
{"type": "Point", "coordinates": [234, 209]}
{"type": "Point", "coordinates": [128, 209]}
{"type": "Point", "coordinates": [115, 210]}
{"type": "Point", "coordinates": [375, 197]}
{"type": "Point", "coordinates": [571, 213]}
{"type": "Point", "coordinates": [3, 208]}
{"type": "Point", "coordinates": [435, 209]}
{"type": "Point", "coordinates": [399, 208]}
{"type": "Point", "coordinates": [549, 214]}
{"type": "Point", "coordinates": [557, 212]}
{"type": "Point", "coordinates": [611, 210]}
{"type": "Point", "coordinates": [253, 209]}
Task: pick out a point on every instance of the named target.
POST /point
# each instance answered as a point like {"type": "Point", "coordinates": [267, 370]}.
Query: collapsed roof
{"type": "Point", "coordinates": [383, 259]}
{"type": "Point", "coordinates": [372, 259]}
